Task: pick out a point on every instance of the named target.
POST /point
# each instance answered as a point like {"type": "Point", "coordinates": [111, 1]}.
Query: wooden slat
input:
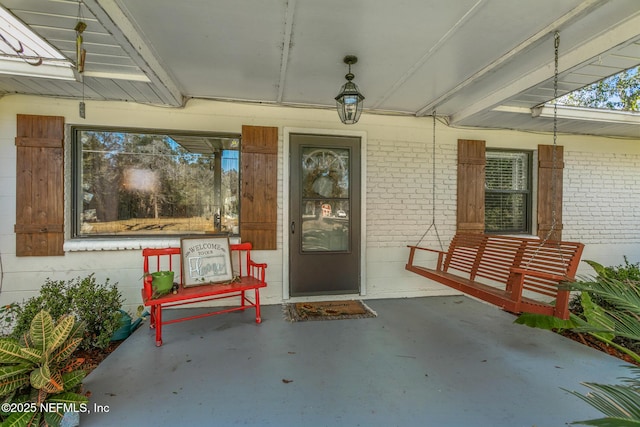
{"type": "Point", "coordinates": [23, 141]}
{"type": "Point", "coordinates": [38, 228]}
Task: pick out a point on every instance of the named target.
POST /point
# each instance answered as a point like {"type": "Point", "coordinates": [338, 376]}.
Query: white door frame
{"type": "Point", "coordinates": [285, 203]}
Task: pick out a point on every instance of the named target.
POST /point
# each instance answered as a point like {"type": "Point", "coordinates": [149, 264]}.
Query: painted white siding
{"type": "Point", "coordinates": [601, 184]}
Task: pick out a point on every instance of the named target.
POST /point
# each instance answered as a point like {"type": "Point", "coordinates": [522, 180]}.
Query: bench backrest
{"type": "Point", "coordinates": [491, 257]}
{"type": "Point", "coordinates": [169, 259]}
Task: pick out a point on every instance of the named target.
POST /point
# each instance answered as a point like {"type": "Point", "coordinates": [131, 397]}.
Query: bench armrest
{"type": "Point", "coordinates": [256, 270]}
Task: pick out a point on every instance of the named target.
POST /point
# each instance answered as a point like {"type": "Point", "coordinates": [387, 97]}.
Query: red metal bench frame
{"type": "Point", "coordinates": [499, 269]}
{"type": "Point", "coordinates": [251, 277]}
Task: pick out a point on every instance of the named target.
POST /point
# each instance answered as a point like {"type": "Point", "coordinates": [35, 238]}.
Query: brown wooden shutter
{"type": "Point", "coordinates": [259, 209]}
{"type": "Point", "coordinates": [550, 198]}
{"type": "Point", "coordinates": [471, 169]}
{"type": "Point", "coordinates": [39, 186]}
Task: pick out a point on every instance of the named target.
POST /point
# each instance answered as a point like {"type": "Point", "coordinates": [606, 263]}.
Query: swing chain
{"type": "Point", "coordinates": [554, 171]}
{"type": "Point", "coordinates": [553, 158]}
{"type": "Point", "coordinates": [433, 189]}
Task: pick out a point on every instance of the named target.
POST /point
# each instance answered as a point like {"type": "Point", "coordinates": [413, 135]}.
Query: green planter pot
{"type": "Point", "coordinates": [162, 282]}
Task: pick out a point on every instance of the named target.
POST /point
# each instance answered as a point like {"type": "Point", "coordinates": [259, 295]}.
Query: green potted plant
{"type": "Point", "coordinates": [162, 282]}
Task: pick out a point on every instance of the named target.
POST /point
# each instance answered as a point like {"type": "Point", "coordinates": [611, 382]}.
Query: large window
{"type": "Point", "coordinates": [508, 191]}
{"type": "Point", "coordinates": [134, 182]}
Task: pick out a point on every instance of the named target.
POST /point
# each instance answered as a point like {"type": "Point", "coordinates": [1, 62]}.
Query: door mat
{"type": "Point", "coordinates": [326, 310]}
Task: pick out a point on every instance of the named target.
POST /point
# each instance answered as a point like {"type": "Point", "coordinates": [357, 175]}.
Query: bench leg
{"type": "Point", "coordinates": [258, 318]}
{"type": "Point", "coordinates": [152, 317]}
{"type": "Point", "coordinates": [158, 325]}
{"type": "Point", "coordinates": [242, 300]}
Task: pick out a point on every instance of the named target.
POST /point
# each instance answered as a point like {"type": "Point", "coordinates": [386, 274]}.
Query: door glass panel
{"type": "Point", "coordinates": [325, 200]}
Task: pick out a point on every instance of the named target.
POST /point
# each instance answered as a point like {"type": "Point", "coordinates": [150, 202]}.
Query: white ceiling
{"type": "Point", "coordinates": [482, 63]}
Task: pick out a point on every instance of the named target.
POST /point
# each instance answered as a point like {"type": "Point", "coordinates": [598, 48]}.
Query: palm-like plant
{"type": "Point", "coordinates": [618, 315]}
{"type": "Point", "coordinates": [620, 402]}
{"type": "Point", "coordinates": [621, 317]}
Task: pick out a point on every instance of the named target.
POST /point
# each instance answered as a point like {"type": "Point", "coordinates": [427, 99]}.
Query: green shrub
{"type": "Point", "coordinates": [622, 272]}
{"type": "Point", "coordinates": [95, 304]}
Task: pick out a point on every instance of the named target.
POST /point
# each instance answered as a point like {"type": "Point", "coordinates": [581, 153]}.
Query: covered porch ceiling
{"type": "Point", "coordinates": [479, 63]}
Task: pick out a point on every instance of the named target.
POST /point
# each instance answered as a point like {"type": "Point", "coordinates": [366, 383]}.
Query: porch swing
{"type": "Point", "coordinates": [517, 274]}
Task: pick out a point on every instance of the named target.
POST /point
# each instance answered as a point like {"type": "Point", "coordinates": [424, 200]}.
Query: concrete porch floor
{"type": "Point", "coordinates": [440, 361]}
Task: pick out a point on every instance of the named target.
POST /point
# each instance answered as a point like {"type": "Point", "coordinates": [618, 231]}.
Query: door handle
{"type": "Point", "coordinates": [293, 227]}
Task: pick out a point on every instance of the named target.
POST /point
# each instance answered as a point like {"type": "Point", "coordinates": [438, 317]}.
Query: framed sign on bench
{"type": "Point", "coordinates": [205, 260]}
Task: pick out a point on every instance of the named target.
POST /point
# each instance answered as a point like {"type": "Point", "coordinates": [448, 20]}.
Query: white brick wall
{"type": "Point", "coordinates": [400, 191]}
{"type": "Point", "coordinates": [602, 197]}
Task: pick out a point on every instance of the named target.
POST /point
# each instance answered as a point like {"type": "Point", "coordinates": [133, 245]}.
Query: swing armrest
{"type": "Point", "coordinates": [427, 249]}
{"type": "Point", "coordinates": [516, 287]}
{"type": "Point", "coordinates": [526, 272]}
{"type": "Point", "coordinates": [441, 255]}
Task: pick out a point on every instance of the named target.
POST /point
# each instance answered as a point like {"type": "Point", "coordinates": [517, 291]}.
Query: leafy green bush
{"type": "Point", "coordinates": [626, 271]}
{"type": "Point", "coordinates": [95, 304]}
{"type": "Point", "coordinates": [8, 316]}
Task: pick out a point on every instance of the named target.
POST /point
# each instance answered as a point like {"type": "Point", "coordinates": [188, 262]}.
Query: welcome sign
{"type": "Point", "coordinates": [205, 260]}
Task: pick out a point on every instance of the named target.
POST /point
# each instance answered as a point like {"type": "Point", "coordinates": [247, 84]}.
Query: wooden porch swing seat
{"type": "Point", "coordinates": [517, 274]}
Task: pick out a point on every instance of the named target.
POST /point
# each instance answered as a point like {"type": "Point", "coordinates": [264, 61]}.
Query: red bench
{"type": "Point", "coordinates": [249, 278]}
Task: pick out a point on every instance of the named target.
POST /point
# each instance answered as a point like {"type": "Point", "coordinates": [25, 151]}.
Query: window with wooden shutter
{"type": "Point", "coordinates": [259, 209]}
{"type": "Point", "coordinates": [39, 224]}
{"type": "Point", "coordinates": [471, 174]}
{"type": "Point", "coordinates": [550, 170]}
{"type": "Point", "coordinates": [471, 188]}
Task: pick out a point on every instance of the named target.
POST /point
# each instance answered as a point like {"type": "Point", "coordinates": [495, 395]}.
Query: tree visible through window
{"type": "Point", "coordinates": [131, 182]}
{"type": "Point", "coordinates": [508, 191]}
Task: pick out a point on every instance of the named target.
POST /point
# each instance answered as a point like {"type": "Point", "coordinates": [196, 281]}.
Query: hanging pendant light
{"type": "Point", "coordinates": [349, 100]}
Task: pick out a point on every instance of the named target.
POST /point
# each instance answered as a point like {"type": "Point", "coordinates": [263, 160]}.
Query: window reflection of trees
{"type": "Point", "coordinates": [148, 183]}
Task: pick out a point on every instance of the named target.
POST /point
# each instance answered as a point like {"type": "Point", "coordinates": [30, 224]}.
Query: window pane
{"type": "Point", "coordinates": [507, 170]}
{"type": "Point", "coordinates": [505, 212]}
{"type": "Point", "coordinates": [325, 198]}
{"type": "Point", "coordinates": [507, 191]}
{"type": "Point", "coordinates": [144, 183]}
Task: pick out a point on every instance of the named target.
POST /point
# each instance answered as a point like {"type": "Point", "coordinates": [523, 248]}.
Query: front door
{"type": "Point", "coordinates": [324, 212]}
